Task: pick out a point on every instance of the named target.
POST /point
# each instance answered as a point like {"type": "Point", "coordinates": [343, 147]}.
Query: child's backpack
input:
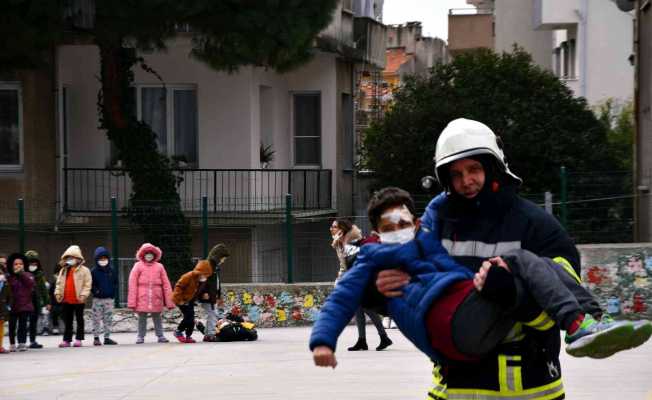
{"type": "Point", "coordinates": [232, 331]}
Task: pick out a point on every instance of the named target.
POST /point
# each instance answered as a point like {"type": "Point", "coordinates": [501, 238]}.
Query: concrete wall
{"type": "Point", "coordinates": [267, 305]}
{"type": "Point", "coordinates": [515, 25]}
{"type": "Point", "coordinates": [608, 72]}
{"type": "Point", "coordinates": [466, 32]}
{"type": "Point", "coordinates": [644, 127]}
{"type": "Point", "coordinates": [554, 14]}
{"type": "Point", "coordinates": [620, 276]}
{"type": "Point", "coordinates": [36, 181]}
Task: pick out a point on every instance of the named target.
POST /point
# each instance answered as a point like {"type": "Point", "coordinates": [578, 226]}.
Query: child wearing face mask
{"type": "Point", "coordinates": [21, 284]}
{"type": "Point", "coordinates": [103, 289]}
{"type": "Point", "coordinates": [72, 289]}
{"type": "Point", "coordinates": [448, 312]}
{"type": "Point", "coordinates": [40, 297]}
{"type": "Point", "coordinates": [149, 291]}
{"type": "Point", "coordinates": [185, 294]}
{"type": "Point", "coordinates": [5, 301]}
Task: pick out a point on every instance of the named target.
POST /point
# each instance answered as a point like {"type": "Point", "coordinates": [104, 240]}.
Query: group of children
{"type": "Point", "coordinates": [26, 295]}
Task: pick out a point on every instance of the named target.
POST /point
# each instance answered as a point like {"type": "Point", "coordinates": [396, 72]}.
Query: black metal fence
{"type": "Point", "coordinates": [289, 243]}
{"type": "Point", "coordinates": [227, 190]}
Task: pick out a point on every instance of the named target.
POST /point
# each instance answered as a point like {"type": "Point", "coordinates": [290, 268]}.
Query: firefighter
{"type": "Point", "coordinates": [484, 218]}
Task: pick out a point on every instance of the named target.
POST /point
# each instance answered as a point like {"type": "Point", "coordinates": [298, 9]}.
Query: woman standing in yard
{"type": "Point", "coordinates": [347, 240]}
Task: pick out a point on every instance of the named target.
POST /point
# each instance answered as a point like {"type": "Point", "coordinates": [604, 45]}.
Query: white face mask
{"type": "Point", "coordinates": [2, 278]}
{"type": "Point", "coordinates": [71, 262]}
{"type": "Point", "coordinates": [397, 237]}
{"type": "Point", "coordinates": [33, 268]}
{"type": "Point", "coordinates": [103, 263]}
{"type": "Point", "coordinates": [149, 257]}
{"type": "Point", "coordinates": [203, 279]}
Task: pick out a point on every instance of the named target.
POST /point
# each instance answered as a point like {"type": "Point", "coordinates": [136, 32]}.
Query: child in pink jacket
{"type": "Point", "coordinates": [149, 290]}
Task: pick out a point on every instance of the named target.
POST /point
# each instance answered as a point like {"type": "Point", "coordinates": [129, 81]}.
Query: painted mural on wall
{"type": "Point", "coordinates": [275, 305]}
{"type": "Point", "coordinates": [621, 278]}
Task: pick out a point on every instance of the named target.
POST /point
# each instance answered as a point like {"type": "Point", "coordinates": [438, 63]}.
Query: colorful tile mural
{"type": "Point", "coordinates": [275, 305]}
{"type": "Point", "coordinates": [621, 278]}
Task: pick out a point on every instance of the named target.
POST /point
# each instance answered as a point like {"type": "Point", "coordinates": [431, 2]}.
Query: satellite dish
{"type": "Point", "coordinates": [625, 5]}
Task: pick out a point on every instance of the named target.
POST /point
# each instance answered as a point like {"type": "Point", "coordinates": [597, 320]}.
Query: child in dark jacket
{"type": "Point", "coordinates": [103, 289]}
{"type": "Point", "coordinates": [40, 296]}
{"type": "Point", "coordinates": [22, 286]}
{"type": "Point", "coordinates": [55, 311]}
{"type": "Point", "coordinates": [441, 290]}
{"type": "Point", "coordinates": [209, 291]}
{"type": "Point", "coordinates": [5, 301]}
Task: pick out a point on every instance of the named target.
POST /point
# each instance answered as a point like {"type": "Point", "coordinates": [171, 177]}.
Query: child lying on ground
{"type": "Point", "coordinates": [483, 316]}
{"type": "Point", "coordinates": [232, 328]}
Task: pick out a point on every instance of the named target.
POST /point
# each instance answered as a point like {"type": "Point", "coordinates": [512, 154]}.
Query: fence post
{"type": "Point", "coordinates": [21, 225]}
{"type": "Point", "coordinates": [204, 226]}
{"type": "Point", "coordinates": [564, 198]}
{"type": "Point", "coordinates": [289, 238]}
{"type": "Point", "coordinates": [548, 202]}
{"type": "Point", "coordinates": [115, 246]}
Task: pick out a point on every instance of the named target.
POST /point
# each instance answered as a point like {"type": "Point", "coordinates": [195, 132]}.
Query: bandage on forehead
{"type": "Point", "coordinates": [398, 214]}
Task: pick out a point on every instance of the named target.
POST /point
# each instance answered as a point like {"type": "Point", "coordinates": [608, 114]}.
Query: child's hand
{"type": "Point", "coordinates": [324, 357]}
{"type": "Point", "coordinates": [481, 276]}
{"type": "Point", "coordinates": [205, 296]}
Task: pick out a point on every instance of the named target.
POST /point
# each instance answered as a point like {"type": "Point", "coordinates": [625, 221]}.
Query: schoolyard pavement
{"type": "Point", "coordinates": [277, 366]}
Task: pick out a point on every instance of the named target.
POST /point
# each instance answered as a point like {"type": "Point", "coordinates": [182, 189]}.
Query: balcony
{"type": "Point", "coordinates": [556, 14]}
{"type": "Point", "coordinates": [470, 29]}
{"type": "Point", "coordinates": [228, 191]}
{"type": "Point", "coordinates": [370, 41]}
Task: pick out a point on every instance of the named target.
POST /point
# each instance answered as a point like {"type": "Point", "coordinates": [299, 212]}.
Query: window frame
{"type": "Point", "coordinates": [18, 87]}
{"type": "Point", "coordinates": [294, 163]}
{"type": "Point", "coordinates": [169, 112]}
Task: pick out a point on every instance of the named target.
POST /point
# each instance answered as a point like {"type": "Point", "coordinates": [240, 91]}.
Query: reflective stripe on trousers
{"type": "Point", "coordinates": [511, 386]}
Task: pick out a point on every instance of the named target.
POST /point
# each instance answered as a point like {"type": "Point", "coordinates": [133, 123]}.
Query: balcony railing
{"type": "Point", "coordinates": [89, 190]}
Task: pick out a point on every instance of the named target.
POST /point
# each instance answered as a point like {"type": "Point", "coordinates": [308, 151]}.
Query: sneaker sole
{"type": "Point", "coordinates": [641, 334]}
{"type": "Point", "coordinates": [603, 344]}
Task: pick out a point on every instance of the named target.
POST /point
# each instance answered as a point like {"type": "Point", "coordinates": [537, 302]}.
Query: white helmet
{"type": "Point", "coordinates": [463, 138]}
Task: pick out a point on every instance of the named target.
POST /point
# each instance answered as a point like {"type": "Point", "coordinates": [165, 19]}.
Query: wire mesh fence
{"type": "Point", "coordinates": [284, 245]}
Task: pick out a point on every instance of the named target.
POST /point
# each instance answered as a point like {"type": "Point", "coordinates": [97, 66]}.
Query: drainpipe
{"type": "Point", "coordinates": [637, 121]}
{"type": "Point", "coordinates": [59, 129]}
{"type": "Point", "coordinates": [583, 14]}
{"type": "Point", "coordinates": [354, 172]}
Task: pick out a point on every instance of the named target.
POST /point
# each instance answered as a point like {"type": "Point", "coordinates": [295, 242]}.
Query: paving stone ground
{"type": "Point", "coordinates": [278, 366]}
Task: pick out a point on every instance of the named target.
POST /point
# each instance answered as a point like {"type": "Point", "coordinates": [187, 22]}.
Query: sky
{"type": "Point", "coordinates": [433, 14]}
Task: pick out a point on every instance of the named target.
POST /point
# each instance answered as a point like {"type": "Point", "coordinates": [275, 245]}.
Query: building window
{"type": "Point", "coordinates": [307, 129]}
{"type": "Point", "coordinates": [571, 59]}
{"type": "Point", "coordinates": [266, 112]}
{"type": "Point", "coordinates": [565, 64]}
{"type": "Point", "coordinates": [557, 58]}
{"type": "Point", "coordinates": [11, 126]}
{"type": "Point", "coordinates": [565, 60]}
{"type": "Point", "coordinates": [171, 112]}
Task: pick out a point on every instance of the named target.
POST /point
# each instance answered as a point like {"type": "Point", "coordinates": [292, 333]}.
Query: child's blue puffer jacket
{"type": "Point", "coordinates": [432, 271]}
